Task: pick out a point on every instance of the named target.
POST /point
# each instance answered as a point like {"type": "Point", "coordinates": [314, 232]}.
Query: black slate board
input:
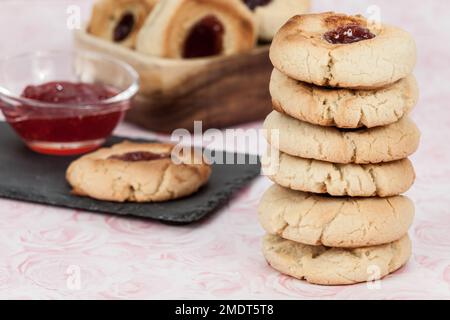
{"type": "Point", "coordinates": [31, 177]}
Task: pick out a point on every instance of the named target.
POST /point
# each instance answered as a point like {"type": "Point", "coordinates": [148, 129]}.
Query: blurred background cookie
{"type": "Point", "coordinates": [119, 20]}
{"type": "Point", "coordinates": [196, 28]}
{"type": "Point", "coordinates": [138, 172]}
{"type": "Point", "coordinates": [272, 14]}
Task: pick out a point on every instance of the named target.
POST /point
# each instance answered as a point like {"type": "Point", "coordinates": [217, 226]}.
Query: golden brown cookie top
{"type": "Point", "coordinates": [338, 50]}
{"type": "Point", "coordinates": [134, 152]}
{"type": "Point", "coordinates": [138, 172]}
{"type": "Point", "coordinates": [117, 151]}
{"type": "Point", "coordinates": [334, 20]}
{"type": "Point", "coordinates": [321, 28]}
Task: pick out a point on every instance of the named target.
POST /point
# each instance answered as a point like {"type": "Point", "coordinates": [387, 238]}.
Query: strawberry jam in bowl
{"type": "Point", "coordinates": [65, 103]}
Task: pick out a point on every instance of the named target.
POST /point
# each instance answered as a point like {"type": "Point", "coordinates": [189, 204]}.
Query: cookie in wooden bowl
{"type": "Point", "coordinates": [176, 92]}
{"type": "Point", "coordinates": [181, 29]}
{"type": "Point", "coordinates": [272, 14]}
{"type": "Point", "coordinates": [119, 21]}
{"type": "Point", "coordinates": [138, 172]}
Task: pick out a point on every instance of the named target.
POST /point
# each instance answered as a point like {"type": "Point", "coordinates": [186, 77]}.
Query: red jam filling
{"type": "Point", "coordinates": [65, 124]}
{"type": "Point", "coordinates": [67, 92]}
{"type": "Point", "coordinates": [124, 27]}
{"type": "Point", "coordinates": [140, 156]}
{"type": "Point", "coordinates": [205, 38]}
{"type": "Point", "coordinates": [348, 34]}
{"type": "Point", "coordinates": [253, 4]}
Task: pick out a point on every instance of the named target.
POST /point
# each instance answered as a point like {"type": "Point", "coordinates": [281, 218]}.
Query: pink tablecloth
{"type": "Point", "coordinates": [44, 249]}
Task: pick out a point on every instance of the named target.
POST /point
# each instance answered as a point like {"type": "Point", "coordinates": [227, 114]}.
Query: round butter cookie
{"type": "Point", "coordinates": [272, 14]}
{"type": "Point", "coordinates": [339, 222]}
{"type": "Point", "coordinates": [381, 144]}
{"type": "Point", "coordinates": [197, 28]}
{"type": "Point", "coordinates": [335, 266]}
{"type": "Point", "coordinates": [137, 172]}
{"type": "Point", "coordinates": [337, 50]}
{"type": "Point", "coordinates": [343, 108]}
{"type": "Point", "coordinates": [354, 180]}
{"type": "Point", "coordinates": [119, 20]}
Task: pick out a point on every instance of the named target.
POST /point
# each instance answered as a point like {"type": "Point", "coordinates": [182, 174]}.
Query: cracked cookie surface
{"type": "Point", "coordinates": [343, 108]}
{"type": "Point", "coordinates": [381, 144]}
{"type": "Point", "coordinates": [354, 180]}
{"type": "Point", "coordinates": [300, 51]}
{"type": "Point", "coordinates": [106, 174]}
{"type": "Point", "coordinates": [335, 266]}
{"type": "Point", "coordinates": [340, 222]}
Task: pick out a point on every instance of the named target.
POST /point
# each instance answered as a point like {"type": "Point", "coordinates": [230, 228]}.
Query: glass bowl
{"type": "Point", "coordinates": [65, 128]}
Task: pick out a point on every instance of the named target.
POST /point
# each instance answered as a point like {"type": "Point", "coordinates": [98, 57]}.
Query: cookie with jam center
{"type": "Point", "coordinates": [119, 21]}
{"type": "Point", "coordinates": [338, 50]}
{"type": "Point", "coordinates": [138, 172]}
{"type": "Point", "coordinates": [272, 14]}
{"type": "Point", "coordinates": [183, 29]}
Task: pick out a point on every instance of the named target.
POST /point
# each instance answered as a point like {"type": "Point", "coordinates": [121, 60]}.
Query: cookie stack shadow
{"type": "Point", "coordinates": [339, 147]}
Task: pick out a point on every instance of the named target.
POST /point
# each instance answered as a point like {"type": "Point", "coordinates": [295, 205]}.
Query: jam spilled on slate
{"type": "Point", "coordinates": [124, 27]}
{"type": "Point", "coordinates": [205, 38]}
{"type": "Point", "coordinates": [253, 4]}
{"type": "Point", "coordinates": [348, 34]}
{"type": "Point", "coordinates": [66, 124]}
{"type": "Point", "coordinates": [140, 156]}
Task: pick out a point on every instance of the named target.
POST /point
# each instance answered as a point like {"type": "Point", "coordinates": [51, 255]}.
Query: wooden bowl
{"type": "Point", "coordinates": [221, 91]}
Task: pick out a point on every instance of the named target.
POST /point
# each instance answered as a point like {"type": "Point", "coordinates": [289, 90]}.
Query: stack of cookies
{"type": "Point", "coordinates": [342, 89]}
